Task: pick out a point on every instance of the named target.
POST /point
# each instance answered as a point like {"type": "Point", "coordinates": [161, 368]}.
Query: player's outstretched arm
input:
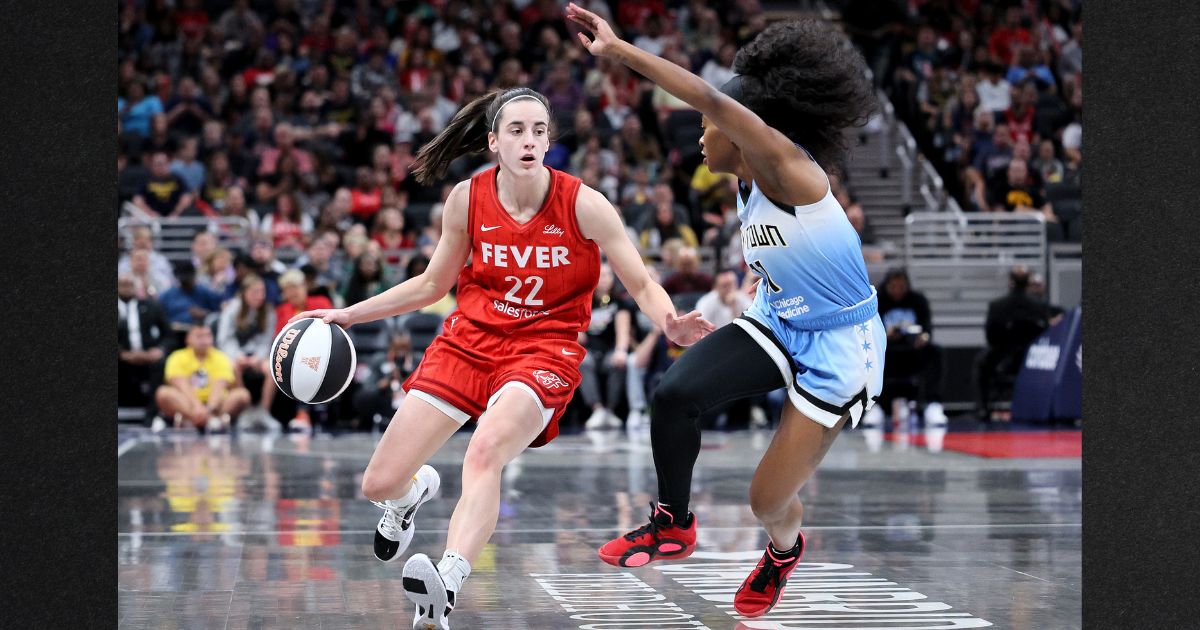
{"type": "Point", "coordinates": [420, 291]}
{"type": "Point", "coordinates": [600, 222]}
{"type": "Point", "coordinates": [778, 166]}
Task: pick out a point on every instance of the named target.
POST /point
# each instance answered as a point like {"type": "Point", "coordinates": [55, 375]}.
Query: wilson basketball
{"type": "Point", "coordinates": [311, 361]}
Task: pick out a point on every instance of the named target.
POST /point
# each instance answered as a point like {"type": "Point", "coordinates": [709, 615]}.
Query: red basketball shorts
{"type": "Point", "coordinates": [468, 368]}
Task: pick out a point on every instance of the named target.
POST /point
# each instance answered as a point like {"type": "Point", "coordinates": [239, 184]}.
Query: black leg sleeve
{"type": "Point", "coordinates": [724, 366]}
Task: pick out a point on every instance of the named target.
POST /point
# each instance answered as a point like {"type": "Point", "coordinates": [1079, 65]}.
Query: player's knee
{"type": "Point", "coordinates": [768, 506]}
{"type": "Point", "coordinates": [378, 487]}
{"type": "Point", "coordinates": [163, 397]}
{"type": "Point", "coordinates": [483, 455]}
{"type": "Point", "coordinates": [673, 391]}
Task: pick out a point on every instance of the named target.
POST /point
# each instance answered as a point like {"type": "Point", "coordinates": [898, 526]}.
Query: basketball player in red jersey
{"type": "Point", "coordinates": [523, 242]}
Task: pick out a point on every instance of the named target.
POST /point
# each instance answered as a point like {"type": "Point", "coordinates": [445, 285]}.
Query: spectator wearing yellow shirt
{"type": "Point", "coordinates": [200, 384]}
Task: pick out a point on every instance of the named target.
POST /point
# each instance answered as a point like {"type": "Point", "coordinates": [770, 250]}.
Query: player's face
{"type": "Point", "coordinates": [721, 155]}
{"type": "Point", "coordinates": [522, 136]}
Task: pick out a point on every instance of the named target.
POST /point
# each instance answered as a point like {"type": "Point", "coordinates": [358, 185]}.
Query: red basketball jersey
{"type": "Point", "coordinates": [531, 278]}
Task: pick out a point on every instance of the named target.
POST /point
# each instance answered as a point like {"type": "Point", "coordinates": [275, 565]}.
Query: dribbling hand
{"type": "Point", "coordinates": [688, 329]}
{"type": "Point", "coordinates": [602, 39]}
{"type": "Point", "coordinates": [328, 315]}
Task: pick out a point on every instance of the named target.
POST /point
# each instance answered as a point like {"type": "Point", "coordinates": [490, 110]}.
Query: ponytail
{"type": "Point", "coordinates": [466, 133]}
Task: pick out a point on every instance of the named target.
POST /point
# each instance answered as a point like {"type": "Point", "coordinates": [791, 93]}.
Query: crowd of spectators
{"type": "Point", "coordinates": [993, 93]}
{"type": "Point", "coordinates": [299, 120]}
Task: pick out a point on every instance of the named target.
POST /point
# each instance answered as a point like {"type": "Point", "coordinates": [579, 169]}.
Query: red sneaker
{"type": "Point", "coordinates": [660, 539]}
{"type": "Point", "coordinates": [764, 586]}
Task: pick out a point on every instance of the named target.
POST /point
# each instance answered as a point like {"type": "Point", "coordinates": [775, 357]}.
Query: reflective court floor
{"type": "Point", "coordinates": [258, 532]}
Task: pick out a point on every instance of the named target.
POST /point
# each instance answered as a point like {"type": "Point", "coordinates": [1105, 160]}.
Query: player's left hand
{"type": "Point", "coordinates": [688, 329]}
{"type": "Point", "coordinates": [603, 38]}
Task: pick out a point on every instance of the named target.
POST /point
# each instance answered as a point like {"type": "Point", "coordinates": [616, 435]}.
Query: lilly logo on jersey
{"type": "Point", "coordinates": [553, 230]}
{"type": "Point", "coordinates": [549, 379]}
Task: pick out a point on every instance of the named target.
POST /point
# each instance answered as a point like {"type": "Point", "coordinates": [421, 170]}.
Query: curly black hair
{"type": "Point", "coordinates": [806, 80]}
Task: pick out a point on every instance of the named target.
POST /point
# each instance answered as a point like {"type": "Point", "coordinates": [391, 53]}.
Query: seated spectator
{"type": "Point", "coordinates": [234, 205]}
{"type": "Point", "coordinates": [608, 340]}
{"type": "Point", "coordinates": [219, 181]}
{"type": "Point", "coordinates": [995, 93]}
{"type": "Point", "coordinates": [244, 267]}
{"type": "Point", "coordinates": [1028, 68]}
{"type": "Point", "coordinates": [217, 271]}
{"type": "Point", "coordinates": [1046, 164]}
{"type": "Point", "coordinates": [137, 109]}
{"type": "Point", "coordinates": [1014, 321]}
{"type": "Point", "coordinates": [148, 283]}
{"type": "Point", "coordinates": [687, 277]}
{"type": "Point", "coordinates": [912, 366]}
{"type": "Point", "coordinates": [663, 226]}
{"type": "Point", "coordinates": [325, 272]}
{"type": "Point", "coordinates": [285, 146]}
{"type": "Point", "coordinates": [286, 226]}
{"type": "Point", "coordinates": [188, 110]}
{"type": "Point", "coordinates": [379, 399]}
{"type": "Point", "coordinates": [165, 193]}
{"type": "Point", "coordinates": [1017, 193]}
{"type": "Point", "coordinates": [142, 336]}
{"type": "Point", "coordinates": [296, 299]}
{"type": "Point", "coordinates": [143, 239]}
{"type": "Point", "coordinates": [188, 303]}
{"type": "Point", "coordinates": [366, 280]}
{"type": "Point", "coordinates": [204, 243]}
{"type": "Point", "coordinates": [366, 198]}
{"type": "Point", "coordinates": [200, 387]}
{"type": "Point", "coordinates": [725, 302]}
{"type": "Point", "coordinates": [389, 232]}
{"type": "Point", "coordinates": [187, 167]}
{"type": "Point", "coordinates": [245, 332]}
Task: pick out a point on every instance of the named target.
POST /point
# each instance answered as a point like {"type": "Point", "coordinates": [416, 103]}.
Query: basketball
{"type": "Point", "coordinates": [311, 361]}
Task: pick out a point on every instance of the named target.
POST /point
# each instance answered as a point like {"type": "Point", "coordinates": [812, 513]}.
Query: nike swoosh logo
{"type": "Point", "coordinates": [484, 228]}
{"type": "Point", "coordinates": [569, 353]}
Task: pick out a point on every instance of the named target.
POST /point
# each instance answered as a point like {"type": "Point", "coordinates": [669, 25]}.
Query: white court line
{"type": "Point", "coordinates": [606, 530]}
{"type": "Point", "coordinates": [126, 446]}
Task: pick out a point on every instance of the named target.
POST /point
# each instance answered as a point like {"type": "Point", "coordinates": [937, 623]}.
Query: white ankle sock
{"type": "Point", "coordinates": [409, 497]}
{"type": "Point", "coordinates": [454, 569]}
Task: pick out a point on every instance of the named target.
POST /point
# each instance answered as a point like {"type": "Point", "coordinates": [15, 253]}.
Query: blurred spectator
{"type": "Point", "coordinates": [1014, 321]}
{"type": "Point", "coordinates": [995, 93]}
{"type": "Point", "coordinates": [245, 332]}
{"type": "Point", "coordinates": [379, 400]}
{"type": "Point", "coordinates": [1018, 193]}
{"type": "Point", "coordinates": [200, 386]}
{"type": "Point", "coordinates": [366, 198]}
{"type": "Point", "coordinates": [296, 298]}
{"type": "Point", "coordinates": [286, 226]}
{"type": "Point", "coordinates": [366, 280]}
{"type": "Point", "coordinates": [188, 303]}
{"type": "Point", "coordinates": [389, 232]}
{"type": "Point", "coordinates": [165, 193]}
{"type": "Point", "coordinates": [142, 336]}
{"type": "Point", "coordinates": [608, 340]}
{"type": "Point", "coordinates": [159, 266]}
{"type": "Point", "coordinates": [719, 69]}
{"type": "Point", "coordinates": [148, 283]}
{"type": "Point", "coordinates": [687, 277]}
{"type": "Point", "coordinates": [912, 363]}
{"type": "Point", "coordinates": [137, 109]}
{"type": "Point", "coordinates": [187, 167]}
{"type": "Point", "coordinates": [1013, 33]}
{"type": "Point", "coordinates": [188, 110]}
{"type": "Point", "coordinates": [1046, 164]}
{"type": "Point", "coordinates": [665, 225]}
{"type": "Point", "coordinates": [725, 301]}
{"type": "Point", "coordinates": [320, 258]}
{"type": "Point", "coordinates": [217, 271]}
{"type": "Point", "coordinates": [204, 243]}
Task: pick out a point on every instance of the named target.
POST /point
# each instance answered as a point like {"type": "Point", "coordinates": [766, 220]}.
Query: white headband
{"type": "Point", "coordinates": [515, 98]}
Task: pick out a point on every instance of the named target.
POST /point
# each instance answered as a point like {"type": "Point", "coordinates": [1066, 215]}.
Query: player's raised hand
{"type": "Point", "coordinates": [602, 39]}
{"type": "Point", "coordinates": [328, 315]}
{"type": "Point", "coordinates": [688, 329]}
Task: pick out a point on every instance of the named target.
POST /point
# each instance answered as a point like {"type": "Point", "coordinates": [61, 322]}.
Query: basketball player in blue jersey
{"type": "Point", "coordinates": [813, 326]}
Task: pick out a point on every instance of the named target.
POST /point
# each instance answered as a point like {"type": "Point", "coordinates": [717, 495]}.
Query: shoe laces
{"type": "Point", "coordinates": [768, 573]}
{"type": "Point", "coordinates": [393, 522]}
{"type": "Point", "coordinates": [652, 528]}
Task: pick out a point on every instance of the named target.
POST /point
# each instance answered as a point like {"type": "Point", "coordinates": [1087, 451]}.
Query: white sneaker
{"type": "Point", "coordinates": [423, 585]}
{"type": "Point", "coordinates": [935, 416]}
{"type": "Point", "coordinates": [248, 420]}
{"type": "Point", "coordinates": [395, 529]}
{"type": "Point", "coordinates": [613, 421]}
{"type": "Point", "coordinates": [598, 419]}
{"type": "Point", "coordinates": [216, 424]}
{"type": "Point", "coordinates": [637, 420]}
{"type": "Point", "coordinates": [158, 425]}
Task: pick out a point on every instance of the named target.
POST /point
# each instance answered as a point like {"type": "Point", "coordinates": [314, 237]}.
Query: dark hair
{"type": "Point", "coordinates": [466, 133]}
{"type": "Point", "coordinates": [805, 79]}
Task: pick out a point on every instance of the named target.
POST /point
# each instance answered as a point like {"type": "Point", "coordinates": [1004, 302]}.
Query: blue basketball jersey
{"type": "Point", "coordinates": [810, 260]}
